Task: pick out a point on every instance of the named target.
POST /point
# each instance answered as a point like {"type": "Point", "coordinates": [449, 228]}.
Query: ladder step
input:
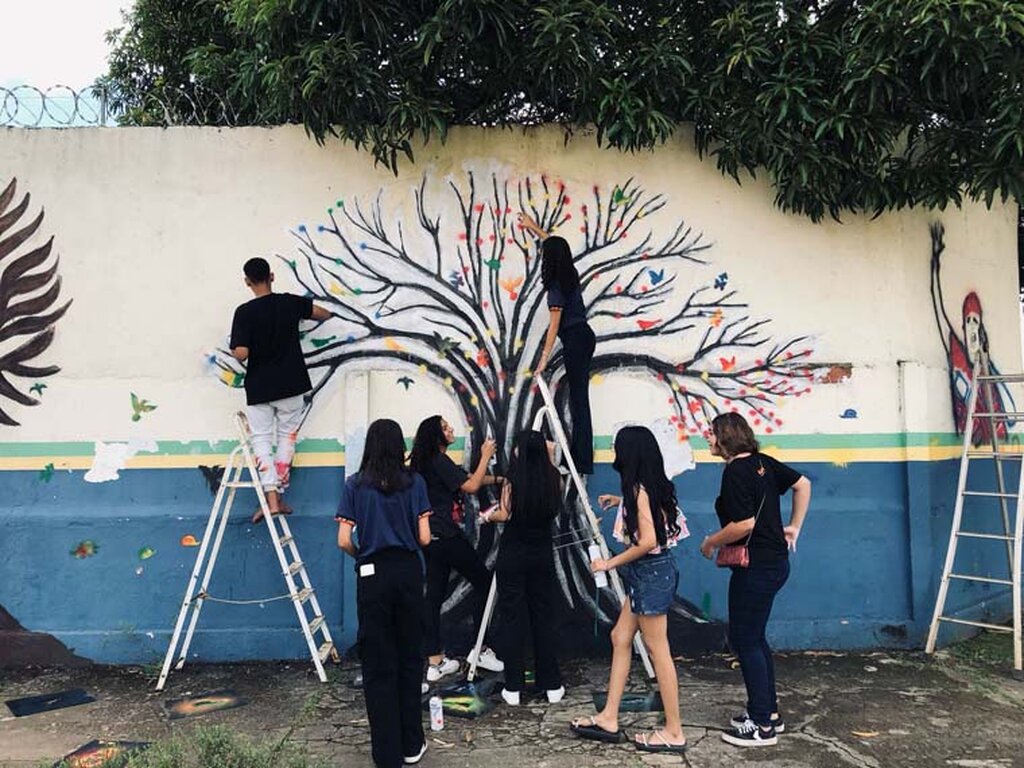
{"type": "Point", "coordinates": [295, 567]}
{"type": "Point", "coordinates": [325, 650]}
{"type": "Point", "coordinates": [991, 494]}
{"type": "Point", "coordinates": [973, 535]}
{"type": "Point", "coordinates": [316, 623]}
{"type": "Point", "coordinates": [999, 414]}
{"type": "Point", "coordinates": [1008, 377]}
{"type": "Point", "coordinates": [994, 455]}
{"type": "Point", "coordinates": [239, 484]}
{"type": "Point", "coordinates": [303, 595]}
{"type": "Point", "coordinates": [986, 579]}
{"type": "Point", "coordinates": [982, 624]}
{"type": "Point", "coordinates": [286, 540]}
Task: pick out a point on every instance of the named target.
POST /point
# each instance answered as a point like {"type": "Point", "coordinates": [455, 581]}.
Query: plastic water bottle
{"type": "Point", "coordinates": [600, 578]}
{"type": "Point", "coordinates": [436, 714]}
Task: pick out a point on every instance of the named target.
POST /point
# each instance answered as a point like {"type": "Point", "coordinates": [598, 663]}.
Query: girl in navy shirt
{"type": "Point", "coordinates": [387, 509]}
{"type": "Point", "coordinates": [568, 322]}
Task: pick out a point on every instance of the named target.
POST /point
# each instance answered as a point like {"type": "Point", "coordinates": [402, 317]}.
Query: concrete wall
{"type": "Point", "coordinates": [705, 298]}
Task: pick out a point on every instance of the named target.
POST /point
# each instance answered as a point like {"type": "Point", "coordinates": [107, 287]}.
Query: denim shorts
{"type": "Point", "coordinates": [651, 583]}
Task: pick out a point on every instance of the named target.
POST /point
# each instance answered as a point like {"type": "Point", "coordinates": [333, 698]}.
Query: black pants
{"type": "Point", "coordinates": [528, 591]}
{"type": "Point", "coordinates": [390, 608]}
{"type": "Point", "coordinates": [578, 350]}
{"type": "Point", "coordinates": [751, 595]}
{"type": "Point", "coordinates": [442, 556]}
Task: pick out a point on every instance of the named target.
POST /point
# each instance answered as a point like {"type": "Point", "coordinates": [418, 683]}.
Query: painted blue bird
{"type": "Point", "coordinates": [721, 281]}
{"type": "Point", "coordinates": [656, 276]}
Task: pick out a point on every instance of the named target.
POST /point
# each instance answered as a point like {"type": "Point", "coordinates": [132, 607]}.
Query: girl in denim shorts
{"type": "Point", "coordinates": [650, 523]}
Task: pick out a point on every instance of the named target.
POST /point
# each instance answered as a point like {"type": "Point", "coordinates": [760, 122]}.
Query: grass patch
{"type": "Point", "coordinates": [991, 650]}
{"type": "Point", "coordinates": [217, 747]}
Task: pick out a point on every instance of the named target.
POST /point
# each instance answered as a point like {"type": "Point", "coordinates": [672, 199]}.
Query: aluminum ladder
{"type": "Point", "coordinates": [301, 593]}
{"type": "Point", "coordinates": [983, 396]}
{"type": "Point", "coordinates": [549, 413]}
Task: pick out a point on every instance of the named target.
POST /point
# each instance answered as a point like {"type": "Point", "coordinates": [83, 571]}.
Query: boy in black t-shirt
{"type": "Point", "coordinates": [265, 336]}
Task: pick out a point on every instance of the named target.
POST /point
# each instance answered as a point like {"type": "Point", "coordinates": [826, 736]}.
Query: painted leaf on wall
{"type": "Point", "coordinates": [29, 291]}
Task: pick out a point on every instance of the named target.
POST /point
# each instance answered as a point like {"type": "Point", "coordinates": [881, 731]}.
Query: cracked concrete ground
{"type": "Point", "coordinates": [868, 711]}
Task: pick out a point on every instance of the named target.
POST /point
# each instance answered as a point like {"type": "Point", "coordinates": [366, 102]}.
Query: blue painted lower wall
{"type": "Point", "coordinates": [864, 576]}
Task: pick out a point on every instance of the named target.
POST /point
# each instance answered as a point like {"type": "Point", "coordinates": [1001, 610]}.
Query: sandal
{"type": "Point", "coordinates": [595, 732]}
{"type": "Point", "coordinates": [645, 743]}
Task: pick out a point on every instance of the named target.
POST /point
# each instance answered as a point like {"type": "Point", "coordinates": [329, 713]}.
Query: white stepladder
{"type": "Point", "coordinates": [983, 392]}
{"type": "Point", "coordinates": [550, 413]}
{"type": "Point", "coordinates": [241, 460]}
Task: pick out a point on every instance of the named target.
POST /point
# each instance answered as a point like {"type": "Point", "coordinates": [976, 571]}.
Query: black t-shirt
{"type": "Point", "coordinates": [444, 480]}
{"type": "Point", "coordinates": [745, 482]}
{"type": "Point", "coordinates": [536, 530]}
{"type": "Point", "coordinates": [269, 327]}
{"type": "Point", "coordinates": [573, 311]}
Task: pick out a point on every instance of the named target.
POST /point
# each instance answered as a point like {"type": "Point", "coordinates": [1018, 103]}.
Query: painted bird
{"type": "Point", "coordinates": [318, 343]}
{"type": "Point", "coordinates": [140, 406]}
{"type": "Point", "coordinates": [646, 325]}
{"type": "Point", "coordinates": [444, 344]}
{"type": "Point", "coordinates": [721, 281]}
{"type": "Point", "coordinates": [727, 363]}
{"type": "Point", "coordinates": [392, 344]}
{"type": "Point", "coordinates": [455, 278]}
{"type": "Point", "coordinates": [716, 317]}
{"type": "Point", "coordinates": [46, 473]}
{"type": "Point", "coordinates": [512, 286]}
{"type": "Point", "coordinates": [656, 275]}
{"type": "Point", "coordinates": [494, 263]}
{"type": "Point", "coordinates": [406, 382]}
{"type": "Point", "coordinates": [37, 388]}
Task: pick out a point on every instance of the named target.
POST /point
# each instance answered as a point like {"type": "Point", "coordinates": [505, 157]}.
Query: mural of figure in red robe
{"type": "Point", "coordinates": [963, 351]}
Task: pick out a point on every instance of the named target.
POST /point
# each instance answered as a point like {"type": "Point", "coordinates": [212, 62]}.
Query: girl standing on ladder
{"type": "Point", "coordinates": [650, 522]}
{"type": "Point", "coordinates": [568, 322]}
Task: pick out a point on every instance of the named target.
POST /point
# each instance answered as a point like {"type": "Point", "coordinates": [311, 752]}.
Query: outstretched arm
{"type": "Point", "coordinates": [527, 223]}
{"type": "Point", "coordinates": [938, 304]}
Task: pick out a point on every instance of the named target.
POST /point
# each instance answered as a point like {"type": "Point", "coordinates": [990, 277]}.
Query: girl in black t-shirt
{"type": "Point", "coordinates": [568, 321]}
{"type": "Point", "coordinates": [527, 587]}
{"type": "Point", "coordinates": [749, 511]}
{"type": "Point", "coordinates": [450, 548]}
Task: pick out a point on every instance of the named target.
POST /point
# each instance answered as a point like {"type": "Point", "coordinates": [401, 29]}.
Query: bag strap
{"type": "Point", "coordinates": [764, 495]}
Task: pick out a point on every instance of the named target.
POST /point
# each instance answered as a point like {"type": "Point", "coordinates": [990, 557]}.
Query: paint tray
{"type": "Point", "coordinates": [98, 753]}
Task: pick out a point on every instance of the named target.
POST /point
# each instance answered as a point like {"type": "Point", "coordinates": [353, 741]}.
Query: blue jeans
{"type": "Point", "coordinates": [751, 594]}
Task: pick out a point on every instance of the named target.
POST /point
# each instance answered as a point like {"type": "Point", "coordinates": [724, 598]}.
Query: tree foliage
{"type": "Point", "coordinates": [846, 105]}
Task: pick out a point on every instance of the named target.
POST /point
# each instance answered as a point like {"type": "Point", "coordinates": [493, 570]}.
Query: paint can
{"type": "Point", "coordinates": [600, 578]}
{"type": "Point", "coordinates": [436, 714]}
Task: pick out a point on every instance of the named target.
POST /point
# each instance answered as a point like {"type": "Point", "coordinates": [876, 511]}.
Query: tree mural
{"type": "Point", "coordinates": [455, 293]}
{"type": "Point", "coordinates": [29, 289]}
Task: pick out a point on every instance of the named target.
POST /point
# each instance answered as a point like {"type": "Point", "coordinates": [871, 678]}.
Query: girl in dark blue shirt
{"type": "Point", "coordinates": [568, 322]}
{"type": "Point", "coordinates": [387, 508]}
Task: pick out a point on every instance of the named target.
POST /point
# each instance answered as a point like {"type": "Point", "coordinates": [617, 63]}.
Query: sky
{"type": "Point", "coordinates": [55, 42]}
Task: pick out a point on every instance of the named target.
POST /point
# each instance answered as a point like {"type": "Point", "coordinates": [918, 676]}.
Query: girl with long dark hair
{"type": "Point", "coordinates": [449, 546]}
{"type": "Point", "coordinates": [567, 322]}
{"type": "Point", "coordinates": [385, 506]}
{"type": "Point", "coordinates": [650, 523]}
{"type": "Point", "coordinates": [749, 510]}
{"type": "Point", "coordinates": [527, 587]}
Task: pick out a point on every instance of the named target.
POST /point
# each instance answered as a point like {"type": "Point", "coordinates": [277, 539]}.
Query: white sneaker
{"type": "Point", "coordinates": [488, 660]}
{"type": "Point", "coordinates": [447, 667]}
{"type": "Point", "coordinates": [556, 695]}
{"type": "Point", "coordinates": [510, 697]}
{"type": "Point", "coordinates": [424, 687]}
{"type": "Point", "coordinates": [413, 759]}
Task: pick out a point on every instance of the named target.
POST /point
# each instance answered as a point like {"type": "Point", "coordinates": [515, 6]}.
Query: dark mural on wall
{"type": "Point", "coordinates": [965, 345]}
{"type": "Point", "coordinates": [29, 291]}
{"type": "Point", "coordinates": [453, 292]}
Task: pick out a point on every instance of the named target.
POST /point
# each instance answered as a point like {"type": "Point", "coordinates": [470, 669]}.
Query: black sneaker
{"type": "Point", "coordinates": [750, 735]}
{"type": "Point", "coordinates": [777, 722]}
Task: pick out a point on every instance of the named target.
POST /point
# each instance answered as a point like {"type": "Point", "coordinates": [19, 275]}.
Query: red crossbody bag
{"type": "Point", "coordinates": [738, 555]}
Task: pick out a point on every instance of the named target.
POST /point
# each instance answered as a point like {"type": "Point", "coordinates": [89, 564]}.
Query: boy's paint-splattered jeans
{"type": "Point", "coordinates": [277, 421]}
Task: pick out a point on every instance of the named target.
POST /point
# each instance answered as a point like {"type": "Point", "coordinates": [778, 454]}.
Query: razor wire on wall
{"type": "Point", "coordinates": [60, 106]}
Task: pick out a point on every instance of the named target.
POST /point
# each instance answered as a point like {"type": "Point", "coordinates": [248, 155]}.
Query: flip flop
{"type": "Point", "coordinates": [594, 732]}
{"type": "Point", "coordinates": [643, 743]}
